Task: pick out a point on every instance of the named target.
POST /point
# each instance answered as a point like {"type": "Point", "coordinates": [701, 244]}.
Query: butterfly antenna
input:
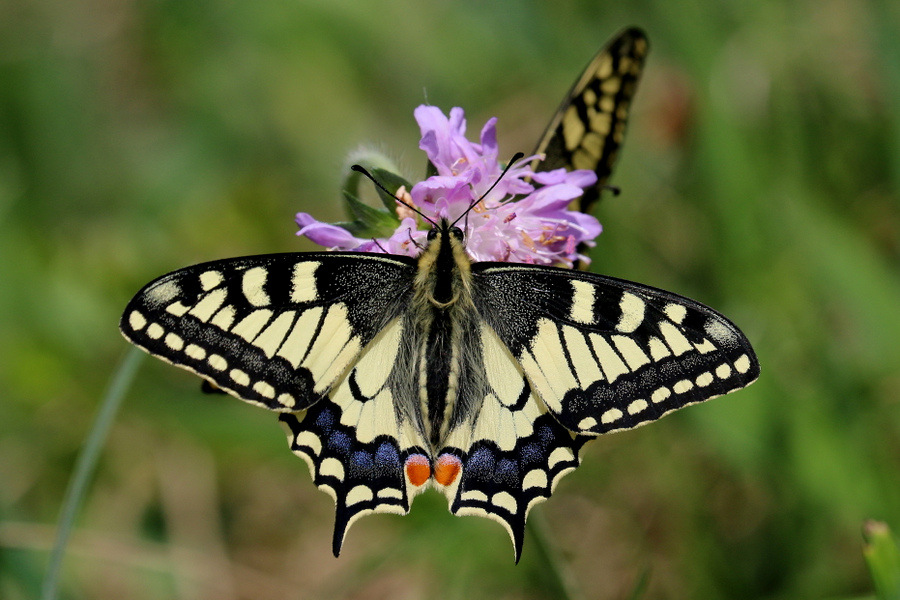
{"type": "Point", "coordinates": [516, 157]}
{"type": "Point", "coordinates": [361, 169]}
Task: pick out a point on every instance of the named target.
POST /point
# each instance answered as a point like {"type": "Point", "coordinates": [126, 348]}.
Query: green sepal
{"type": "Point", "coordinates": [430, 170]}
{"type": "Point", "coordinates": [883, 558]}
{"type": "Point", "coordinates": [392, 182]}
{"type": "Point", "coordinates": [368, 221]}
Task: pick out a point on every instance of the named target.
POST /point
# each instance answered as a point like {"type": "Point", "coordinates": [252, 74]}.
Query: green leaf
{"type": "Point", "coordinates": [368, 222]}
{"type": "Point", "coordinates": [883, 558]}
{"type": "Point", "coordinates": [392, 182]}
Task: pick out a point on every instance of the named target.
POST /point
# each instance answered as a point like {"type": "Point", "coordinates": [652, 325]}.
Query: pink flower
{"type": "Point", "coordinates": [524, 218]}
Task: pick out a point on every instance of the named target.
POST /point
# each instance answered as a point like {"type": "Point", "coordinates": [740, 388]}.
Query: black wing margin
{"type": "Point", "coordinates": [275, 330]}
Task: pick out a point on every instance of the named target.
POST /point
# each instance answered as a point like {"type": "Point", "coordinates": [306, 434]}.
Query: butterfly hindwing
{"type": "Point", "coordinates": [587, 129]}
{"type": "Point", "coordinates": [606, 354]}
{"type": "Point", "coordinates": [511, 450]}
{"type": "Point", "coordinates": [274, 330]}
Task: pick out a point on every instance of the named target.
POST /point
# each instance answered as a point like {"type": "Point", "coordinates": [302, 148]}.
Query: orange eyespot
{"type": "Point", "coordinates": [418, 469]}
{"type": "Point", "coordinates": [447, 469]}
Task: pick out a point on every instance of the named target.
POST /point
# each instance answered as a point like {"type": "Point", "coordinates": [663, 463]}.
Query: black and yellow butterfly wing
{"type": "Point", "coordinates": [588, 128]}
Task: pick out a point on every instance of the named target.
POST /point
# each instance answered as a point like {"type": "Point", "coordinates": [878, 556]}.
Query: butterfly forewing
{"type": "Point", "coordinates": [606, 354]}
{"type": "Point", "coordinates": [274, 330]}
{"type": "Point", "coordinates": [587, 129]}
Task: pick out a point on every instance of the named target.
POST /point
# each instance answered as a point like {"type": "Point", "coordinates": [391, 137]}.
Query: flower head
{"type": "Point", "coordinates": [524, 217]}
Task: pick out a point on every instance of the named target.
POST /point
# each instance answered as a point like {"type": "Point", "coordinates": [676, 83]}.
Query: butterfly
{"type": "Point", "coordinates": [484, 380]}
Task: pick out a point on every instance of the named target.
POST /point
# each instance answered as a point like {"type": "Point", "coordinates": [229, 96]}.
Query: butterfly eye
{"type": "Point", "coordinates": [432, 234]}
{"type": "Point", "coordinates": [457, 233]}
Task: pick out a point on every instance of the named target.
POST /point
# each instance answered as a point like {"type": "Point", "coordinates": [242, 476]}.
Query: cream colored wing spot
{"type": "Point", "coordinates": [210, 280]}
{"type": "Point", "coordinates": [676, 312]}
{"type": "Point", "coordinates": [582, 309]}
{"type": "Point", "coordinates": [239, 377]}
{"type": "Point", "coordinates": [303, 282]}
{"type": "Point", "coordinates": [723, 371]}
{"type": "Point", "coordinates": [155, 331]}
{"type": "Point", "coordinates": [658, 350]}
{"type": "Point", "coordinates": [194, 351]}
{"type": "Point", "coordinates": [252, 285]}
{"type": "Point", "coordinates": [474, 495]}
{"type": "Point", "coordinates": [547, 348]}
{"type": "Point", "coordinates": [332, 467]}
{"type": "Point", "coordinates": [174, 342]}
{"type": "Point", "coordinates": [505, 500]}
{"type": "Point", "coordinates": [177, 308]}
{"type": "Point", "coordinates": [535, 478]}
{"type": "Point", "coordinates": [704, 379]}
{"type": "Point", "coordinates": [705, 347]}
{"type": "Point", "coordinates": [682, 386]}
{"type": "Point", "coordinates": [675, 339]}
{"type": "Point", "coordinates": [660, 394]}
{"type": "Point", "coordinates": [264, 389]}
{"type": "Point", "coordinates": [359, 493]}
{"type": "Point", "coordinates": [586, 369]}
{"type": "Point", "coordinates": [390, 493]}
{"type": "Point", "coordinates": [209, 304]}
{"type": "Point", "coordinates": [503, 374]}
{"type": "Point", "coordinates": [632, 313]}
{"type": "Point", "coordinates": [312, 441]}
{"type": "Point", "coordinates": [294, 347]}
{"type": "Point", "coordinates": [637, 406]}
{"type": "Point", "coordinates": [287, 400]}
{"type": "Point", "coordinates": [610, 362]}
{"type": "Point", "coordinates": [561, 454]}
{"type": "Point", "coordinates": [742, 364]}
{"type": "Point", "coordinates": [611, 416]}
{"type": "Point", "coordinates": [587, 423]}
{"type": "Point", "coordinates": [250, 326]}
{"type": "Point", "coordinates": [136, 320]}
{"type": "Point", "coordinates": [217, 362]}
{"type": "Point", "coordinates": [630, 351]}
{"type": "Point", "coordinates": [271, 338]}
{"type": "Point", "coordinates": [573, 128]}
{"type": "Point", "coordinates": [224, 318]}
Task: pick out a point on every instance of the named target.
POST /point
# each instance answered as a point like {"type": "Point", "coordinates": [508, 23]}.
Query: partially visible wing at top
{"type": "Point", "coordinates": [606, 354]}
{"type": "Point", "coordinates": [275, 330]}
{"type": "Point", "coordinates": [587, 130]}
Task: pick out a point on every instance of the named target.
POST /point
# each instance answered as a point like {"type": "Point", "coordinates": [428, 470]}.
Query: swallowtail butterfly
{"type": "Point", "coordinates": [484, 380]}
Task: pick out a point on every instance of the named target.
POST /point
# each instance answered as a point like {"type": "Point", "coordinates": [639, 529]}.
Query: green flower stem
{"type": "Point", "coordinates": [87, 464]}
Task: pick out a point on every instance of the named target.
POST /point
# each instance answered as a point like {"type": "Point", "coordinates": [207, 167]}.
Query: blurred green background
{"type": "Point", "coordinates": [760, 175]}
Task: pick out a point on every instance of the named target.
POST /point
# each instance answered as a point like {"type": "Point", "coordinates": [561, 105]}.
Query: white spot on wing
{"type": "Point", "coordinates": [611, 416]}
{"type": "Point", "coordinates": [637, 406]}
{"type": "Point", "coordinates": [587, 423]}
{"type": "Point", "coordinates": [194, 351]}
{"type": "Point", "coordinates": [208, 305]}
{"type": "Point", "coordinates": [535, 478]}
{"type": "Point", "coordinates": [675, 339]}
{"type": "Point", "coordinates": [610, 362]}
{"type": "Point", "coordinates": [582, 309]}
{"type": "Point", "coordinates": [505, 500]}
{"type": "Point", "coordinates": [719, 331]}
{"type": "Point", "coordinates": [474, 495]}
{"type": "Point", "coordinates": [303, 281]}
{"type": "Point", "coordinates": [676, 312]}
{"type": "Point", "coordinates": [272, 336]}
{"type": "Point", "coordinates": [252, 285]}
{"type": "Point", "coordinates": [658, 350]}
{"type": "Point", "coordinates": [332, 467]}
{"type": "Point", "coordinates": [660, 394]}
{"type": "Point", "coordinates": [704, 379]}
{"type": "Point", "coordinates": [174, 342]}
{"type": "Point", "coordinates": [742, 364]}
{"type": "Point", "coordinates": [287, 400]}
{"type": "Point", "coordinates": [250, 326]}
{"type": "Point", "coordinates": [136, 320]}
{"type": "Point", "coordinates": [633, 309]}
{"type": "Point", "coordinates": [682, 386]}
{"type": "Point", "coordinates": [224, 318]}
{"type": "Point", "coordinates": [240, 377]}
{"type": "Point", "coordinates": [264, 389]}
{"type": "Point", "coordinates": [217, 362]}
{"type": "Point", "coordinates": [586, 368]}
{"type": "Point", "coordinates": [177, 308]}
{"type": "Point", "coordinates": [559, 455]}
{"type": "Point", "coordinates": [163, 292]}
{"type": "Point", "coordinates": [630, 351]}
{"type": "Point", "coordinates": [723, 371]}
{"type": "Point", "coordinates": [210, 279]}
{"type": "Point", "coordinates": [312, 441]}
{"type": "Point", "coordinates": [155, 331]}
{"type": "Point", "coordinates": [360, 493]}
